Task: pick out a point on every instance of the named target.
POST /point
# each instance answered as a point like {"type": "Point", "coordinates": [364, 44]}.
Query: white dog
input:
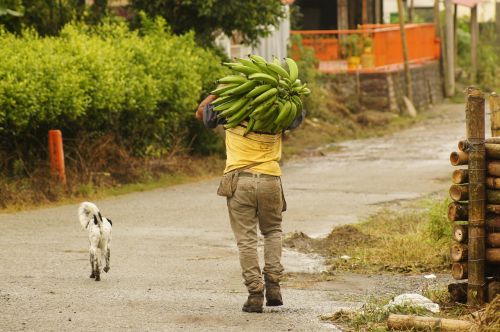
{"type": "Point", "coordinates": [99, 229]}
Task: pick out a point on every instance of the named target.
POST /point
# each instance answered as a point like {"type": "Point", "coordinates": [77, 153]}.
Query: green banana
{"type": "Point", "coordinates": [266, 95]}
{"type": "Point", "coordinates": [222, 100]}
{"type": "Point", "coordinates": [243, 88]}
{"type": "Point", "coordinates": [232, 79]}
{"type": "Point", "coordinates": [234, 108]}
{"type": "Point", "coordinates": [257, 58]}
{"type": "Point", "coordinates": [278, 70]}
{"type": "Point", "coordinates": [292, 68]}
{"type": "Point", "coordinates": [227, 105]}
{"type": "Point", "coordinates": [250, 126]}
{"type": "Point", "coordinates": [258, 90]}
{"type": "Point", "coordinates": [284, 112]}
{"type": "Point", "coordinates": [235, 119]}
{"type": "Point", "coordinates": [266, 78]}
{"type": "Point", "coordinates": [247, 63]}
{"type": "Point", "coordinates": [223, 89]}
{"type": "Point", "coordinates": [245, 70]}
{"type": "Point", "coordinates": [264, 107]}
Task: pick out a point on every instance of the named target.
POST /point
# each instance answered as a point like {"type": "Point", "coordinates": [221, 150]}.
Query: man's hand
{"type": "Point", "coordinates": [201, 107]}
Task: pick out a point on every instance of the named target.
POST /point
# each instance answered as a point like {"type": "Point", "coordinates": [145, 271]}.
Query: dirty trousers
{"type": "Point", "coordinates": [258, 200]}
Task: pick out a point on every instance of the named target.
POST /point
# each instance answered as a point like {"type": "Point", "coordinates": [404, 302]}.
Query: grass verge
{"type": "Point", "coordinates": [389, 241]}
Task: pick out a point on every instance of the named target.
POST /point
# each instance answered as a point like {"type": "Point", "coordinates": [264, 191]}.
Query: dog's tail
{"type": "Point", "coordinates": [89, 213]}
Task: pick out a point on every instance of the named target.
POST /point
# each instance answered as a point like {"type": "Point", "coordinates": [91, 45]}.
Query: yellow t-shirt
{"type": "Point", "coordinates": [242, 151]}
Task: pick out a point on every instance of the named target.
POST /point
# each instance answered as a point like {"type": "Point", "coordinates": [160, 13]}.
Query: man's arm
{"type": "Point", "coordinates": [203, 104]}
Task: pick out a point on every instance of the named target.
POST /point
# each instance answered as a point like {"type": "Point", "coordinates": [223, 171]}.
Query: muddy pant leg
{"type": "Point", "coordinates": [270, 204]}
{"type": "Point", "coordinates": [243, 216]}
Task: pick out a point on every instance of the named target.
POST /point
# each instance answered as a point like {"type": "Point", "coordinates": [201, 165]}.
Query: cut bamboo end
{"type": "Point", "coordinates": [419, 323]}
{"type": "Point", "coordinates": [458, 252]}
{"type": "Point", "coordinates": [459, 271]}
{"type": "Point", "coordinates": [492, 182]}
{"type": "Point", "coordinates": [460, 176]}
{"type": "Point", "coordinates": [457, 211]}
{"type": "Point", "coordinates": [494, 168]}
{"type": "Point", "coordinates": [493, 224]}
{"type": "Point", "coordinates": [459, 158]}
{"type": "Point", "coordinates": [458, 292]}
{"type": "Point", "coordinates": [459, 192]}
{"type": "Point", "coordinates": [493, 240]}
{"type": "Point", "coordinates": [463, 145]}
{"type": "Point", "coordinates": [493, 208]}
{"type": "Point", "coordinates": [493, 255]}
{"type": "Point", "coordinates": [459, 233]}
{"type": "Point", "coordinates": [492, 151]}
{"type": "Point", "coordinates": [493, 196]}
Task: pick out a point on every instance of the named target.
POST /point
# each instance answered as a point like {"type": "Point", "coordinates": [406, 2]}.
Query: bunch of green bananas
{"type": "Point", "coordinates": [262, 93]}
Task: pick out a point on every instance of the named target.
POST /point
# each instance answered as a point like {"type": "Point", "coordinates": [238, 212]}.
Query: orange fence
{"type": "Point", "coordinates": [381, 42]}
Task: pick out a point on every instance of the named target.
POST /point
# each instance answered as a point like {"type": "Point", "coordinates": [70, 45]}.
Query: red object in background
{"type": "Point", "coordinates": [56, 154]}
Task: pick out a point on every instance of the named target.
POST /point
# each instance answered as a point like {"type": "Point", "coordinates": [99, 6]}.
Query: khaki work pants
{"type": "Point", "coordinates": [258, 200]}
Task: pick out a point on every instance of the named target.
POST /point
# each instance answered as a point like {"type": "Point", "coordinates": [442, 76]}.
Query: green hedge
{"type": "Point", "coordinates": [141, 85]}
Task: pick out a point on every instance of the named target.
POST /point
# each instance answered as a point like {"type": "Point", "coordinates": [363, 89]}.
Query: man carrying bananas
{"type": "Point", "coordinates": [255, 198]}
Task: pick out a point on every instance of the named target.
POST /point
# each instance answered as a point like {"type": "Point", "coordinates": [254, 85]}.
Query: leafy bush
{"type": "Point", "coordinates": [142, 86]}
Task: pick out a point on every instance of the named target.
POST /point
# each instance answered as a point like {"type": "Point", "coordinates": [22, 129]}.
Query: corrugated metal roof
{"type": "Point", "coordinates": [468, 3]}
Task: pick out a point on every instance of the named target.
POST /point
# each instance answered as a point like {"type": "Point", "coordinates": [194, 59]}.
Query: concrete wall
{"type": "Point", "coordinates": [385, 91]}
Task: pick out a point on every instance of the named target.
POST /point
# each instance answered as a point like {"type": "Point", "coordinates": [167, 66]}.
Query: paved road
{"type": "Point", "coordinates": [174, 264]}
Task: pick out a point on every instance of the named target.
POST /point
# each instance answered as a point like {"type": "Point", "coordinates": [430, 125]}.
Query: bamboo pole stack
{"type": "Point", "coordinates": [475, 210]}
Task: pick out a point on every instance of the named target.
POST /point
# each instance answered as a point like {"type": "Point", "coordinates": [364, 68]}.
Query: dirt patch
{"type": "Point", "coordinates": [335, 243]}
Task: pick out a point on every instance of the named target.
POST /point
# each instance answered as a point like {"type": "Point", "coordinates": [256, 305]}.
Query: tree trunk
{"type": "Point", "coordinates": [459, 233]}
{"type": "Point", "coordinates": [410, 322]}
{"type": "Point", "coordinates": [460, 176]}
{"type": "Point", "coordinates": [493, 240]}
{"type": "Point", "coordinates": [342, 15]}
{"type": "Point", "coordinates": [495, 111]}
{"type": "Point", "coordinates": [449, 63]}
{"type": "Point", "coordinates": [493, 196]}
{"type": "Point", "coordinates": [493, 183]}
{"type": "Point", "coordinates": [458, 252]}
{"type": "Point", "coordinates": [459, 158]}
{"type": "Point", "coordinates": [493, 255]}
{"type": "Point", "coordinates": [474, 34]}
{"type": "Point", "coordinates": [459, 271]}
{"type": "Point", "coordinates": [457, 211]}
{"type": "Point", "coordinates": [494, 168]}
{"type": "Point", "coordinates": [439, 35]}
{"type": "Point", "coordinates": [411, 12]}
{"type": "Point", "coordinates": [409, 90]}
{"type": "Point", "coordinates": [459, 192]}
{"type": "Point", "coordinates": [475, 128]}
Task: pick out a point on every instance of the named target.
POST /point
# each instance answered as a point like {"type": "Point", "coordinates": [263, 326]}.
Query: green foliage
{"type": "Point", "coordinates": [488, 59]}
{"type": "Point", "coordinates": [308, 73]}
{"type": "Point", "coordinates": [142, 88]}
{"type": "Point", "coordinates": [251, 18]}
{"type": "Point", "coordinates": [438, 226]}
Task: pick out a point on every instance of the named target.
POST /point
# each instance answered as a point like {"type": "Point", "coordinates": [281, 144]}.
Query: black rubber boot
{"type": "Point", "coordinates": [273, 294]}
{"type": "Point", "coordinates": [254, 302]}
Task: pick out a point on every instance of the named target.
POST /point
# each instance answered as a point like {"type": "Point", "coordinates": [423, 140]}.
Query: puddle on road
{"type": "Point", "coordinates": [297, 262]}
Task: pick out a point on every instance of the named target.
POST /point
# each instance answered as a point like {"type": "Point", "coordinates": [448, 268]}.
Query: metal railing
{"type": "Point", "coordinates": [378, 46]}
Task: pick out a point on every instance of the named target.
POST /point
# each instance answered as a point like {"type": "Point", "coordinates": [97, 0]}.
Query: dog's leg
{"type": "Point", "coordinates": [95, 262]}
{"type": "Point", "coordinates": [108, 253]}
{"type": "Point", "coordinates": [92, 275]}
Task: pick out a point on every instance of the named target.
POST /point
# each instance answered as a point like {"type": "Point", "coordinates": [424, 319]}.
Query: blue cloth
{"type": "Point", "coordinates": [210, 119]}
